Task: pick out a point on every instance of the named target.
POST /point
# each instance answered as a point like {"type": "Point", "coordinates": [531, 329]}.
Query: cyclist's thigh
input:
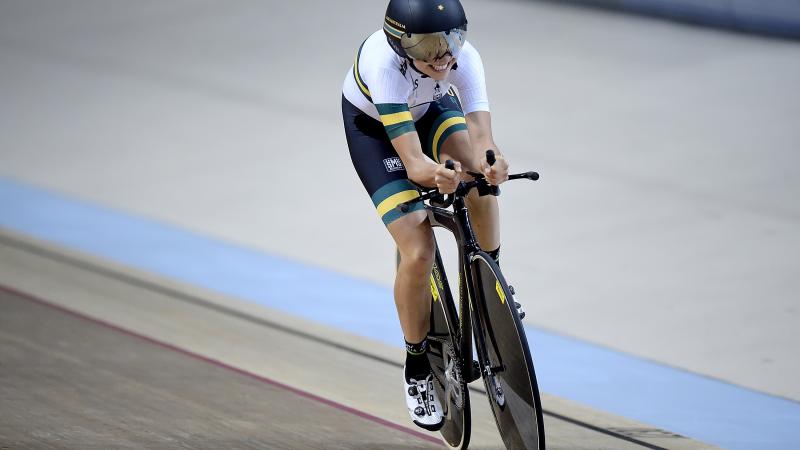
{"type": "Point", "coordinates": [380, 169]}
{"type": "Point", "coordinates": [458, 147]}
{"type": "Point", "coordinates": [443, 130]}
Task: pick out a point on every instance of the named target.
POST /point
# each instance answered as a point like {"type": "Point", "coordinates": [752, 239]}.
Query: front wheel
{"type": "Point", "coordinates": [506, 363]}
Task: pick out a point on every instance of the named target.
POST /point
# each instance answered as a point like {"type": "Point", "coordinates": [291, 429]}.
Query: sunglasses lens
{"type": "Point", "coordinates": [432, 46]}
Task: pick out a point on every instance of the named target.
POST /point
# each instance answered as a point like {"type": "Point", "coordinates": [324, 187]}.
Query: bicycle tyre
{"type": "Point", "coordinates": [512, 391]}
{"type": "Point", "coordinates": [444, 332]}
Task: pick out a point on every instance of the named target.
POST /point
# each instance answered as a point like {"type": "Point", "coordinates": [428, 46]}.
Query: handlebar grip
{"type": "Point", "coordinates": [440, 201]}
{"type": "Point", "coordinates": [449, 164]}
{"type": "Point", "coordinates": [490, 158]}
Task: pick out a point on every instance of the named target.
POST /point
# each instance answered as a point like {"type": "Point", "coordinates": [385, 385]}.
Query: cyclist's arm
{"type": "Point", "coordinates": [399, 125]}
{"type": "Point", "coordinates": [420, 168]}
{"type": "Point", "coordinates": [479, 126]}
{"type": "Point", "coordinates": [389, 89]}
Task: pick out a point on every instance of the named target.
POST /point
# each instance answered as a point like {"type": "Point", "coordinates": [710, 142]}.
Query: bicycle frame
{"type": "Point", "coordinates": [459, 334]}
{"type": "Point", "coordinates": [459, 224]}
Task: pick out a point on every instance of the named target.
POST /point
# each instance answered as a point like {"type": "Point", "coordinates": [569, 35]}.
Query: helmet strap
{"type": "Point", "coordinates": [411, 63]}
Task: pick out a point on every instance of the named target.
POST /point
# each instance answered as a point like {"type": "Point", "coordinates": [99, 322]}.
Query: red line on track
{"type": "Point", "coordinates": [263, 379]}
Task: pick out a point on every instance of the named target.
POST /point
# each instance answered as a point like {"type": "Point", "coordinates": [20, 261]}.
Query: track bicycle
{"type": "Point", "coordinates": [486, 315]}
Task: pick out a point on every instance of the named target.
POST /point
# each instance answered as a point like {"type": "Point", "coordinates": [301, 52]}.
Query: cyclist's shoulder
{"type": "Point", "coordinates": [376, 54]}
{"type": "Point", "coordinates": [469, 50]}
{"type": "Point", "coordinates": [469, 55]}
{"type": "Point", "coordinates": [469, 70]}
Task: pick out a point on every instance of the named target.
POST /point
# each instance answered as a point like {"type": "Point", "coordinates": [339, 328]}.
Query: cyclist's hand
{"type": "Point", "coordinates": [446, 179]}
{"type": "Point", "coordinates": [497, 173]}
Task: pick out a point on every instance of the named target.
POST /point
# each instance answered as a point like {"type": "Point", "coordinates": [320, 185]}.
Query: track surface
{"type": "Point", "coordinates": [95, 354]}
{"type": "Point", "coordinates": [73, 382]}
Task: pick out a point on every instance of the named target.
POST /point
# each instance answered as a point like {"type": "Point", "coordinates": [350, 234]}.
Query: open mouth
{"type": "Point", "coordinates": [439, 68]}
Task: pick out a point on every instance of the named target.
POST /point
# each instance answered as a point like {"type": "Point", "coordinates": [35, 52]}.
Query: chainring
{"type": "Point", "coordinates": [453, 377]}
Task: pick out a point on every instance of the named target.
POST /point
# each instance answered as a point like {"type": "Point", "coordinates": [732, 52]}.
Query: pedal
{"type": "Point", "coordinates": [475, 373]}
{"type": "Point", "coordinates": [517, 305]}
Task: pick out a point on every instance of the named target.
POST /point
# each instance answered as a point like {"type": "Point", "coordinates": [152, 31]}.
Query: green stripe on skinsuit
{"type": "Point", "coordinates": [445, 135]}
{"type": "Point", "coordinates": [400, 129]}
{"type": "Point", "coordinates": [438, 123]}
{"type": "Point", "coordinates": [395, 214]}
{"type": "Point", "coordinates": [391, 108]}
{"type": "Point", "coordinates": [389, 189]}
{"type": "Point", "coordinates": [397, 129]}
{"type": "Point", "coordinates": [452, 93]}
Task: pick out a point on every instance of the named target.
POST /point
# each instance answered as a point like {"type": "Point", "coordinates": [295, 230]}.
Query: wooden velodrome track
{"type": "Point", "coordinates": [99, 356]}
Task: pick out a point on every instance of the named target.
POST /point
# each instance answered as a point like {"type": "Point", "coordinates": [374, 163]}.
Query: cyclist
{"type": "Point", "coordinates": [402, 120]}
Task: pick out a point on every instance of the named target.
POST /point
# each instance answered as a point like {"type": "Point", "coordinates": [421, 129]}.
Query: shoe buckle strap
{"type": "Point", "coordinates": [423, 390]}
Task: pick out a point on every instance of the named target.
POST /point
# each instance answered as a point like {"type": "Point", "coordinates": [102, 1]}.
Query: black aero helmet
{"type": "Point", "coordinates": [425, 29]}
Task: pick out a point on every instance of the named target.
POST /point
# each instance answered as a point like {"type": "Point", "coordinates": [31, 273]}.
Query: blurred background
{"type": "Point", "coordinates": [666, 222]}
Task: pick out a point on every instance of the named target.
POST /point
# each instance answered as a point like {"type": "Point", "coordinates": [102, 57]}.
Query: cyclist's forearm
{"type": "Point", "coordinates": [479, 126]}
{"type": "Point", "coordinates": [423, 173]}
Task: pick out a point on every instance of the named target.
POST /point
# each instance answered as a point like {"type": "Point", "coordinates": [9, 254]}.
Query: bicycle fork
{"type": "Point", "coordinates": [485, 368]}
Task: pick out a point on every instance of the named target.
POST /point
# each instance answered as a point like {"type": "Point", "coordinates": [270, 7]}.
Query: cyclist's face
{"type": "Point", "coordinates": [437, 69]}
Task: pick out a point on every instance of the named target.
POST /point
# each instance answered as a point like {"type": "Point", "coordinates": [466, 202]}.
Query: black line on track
{"type": "Point", "coordinates": [198, 301]}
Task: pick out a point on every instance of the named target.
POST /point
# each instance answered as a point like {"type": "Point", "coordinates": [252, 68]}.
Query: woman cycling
{"type": "Point", "coordinates": [402, 120]}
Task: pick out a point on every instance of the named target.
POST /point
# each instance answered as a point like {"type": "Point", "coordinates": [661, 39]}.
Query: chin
{"type": "Point", "coordinates": [439, 76]}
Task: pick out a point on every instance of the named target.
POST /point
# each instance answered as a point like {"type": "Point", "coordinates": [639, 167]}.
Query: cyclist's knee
{"type": "Point", "coordinates": [414, 238]}
{"type": "Point", "coordinates": [419, 257]}
{"type": "Point", "coordinates": [416, 255]}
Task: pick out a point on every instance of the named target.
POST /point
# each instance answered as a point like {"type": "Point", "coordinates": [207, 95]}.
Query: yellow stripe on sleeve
{"type": "Point", "coordinates": [393, 119]}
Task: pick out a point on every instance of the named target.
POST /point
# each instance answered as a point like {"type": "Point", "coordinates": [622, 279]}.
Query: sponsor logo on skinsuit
{"type": "Point", "coordinates": [393, 164]}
